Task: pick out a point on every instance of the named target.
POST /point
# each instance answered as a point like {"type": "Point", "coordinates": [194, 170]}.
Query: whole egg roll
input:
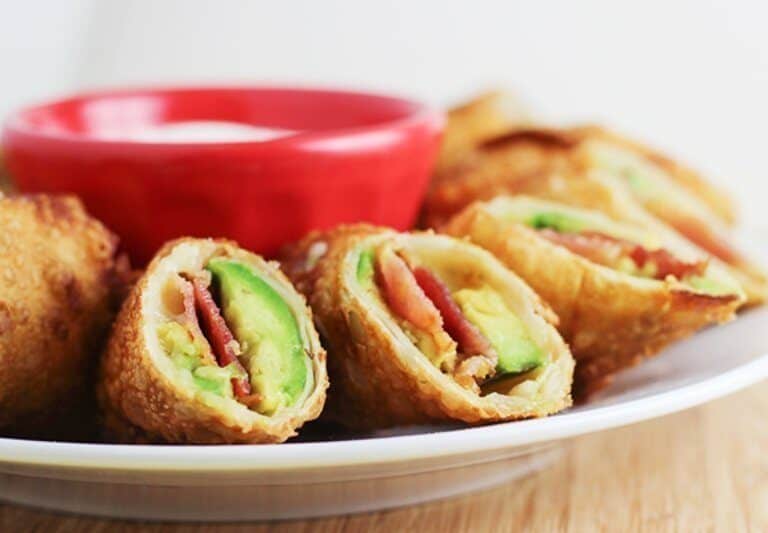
{"type": "Point", "coordinates": [546, 161]}
{"type": "Point", "coordinates": [422, 327]}
{"type": "Point", "coordinates": [213, 345]}
{"type": "Point", "coordinates": [621, 293]}
{"type": "Point", "coordinates": [58, 293]}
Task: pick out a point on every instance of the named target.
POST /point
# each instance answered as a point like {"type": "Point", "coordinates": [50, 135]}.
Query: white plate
{"type": "Point", "coordinates": [306, 479]}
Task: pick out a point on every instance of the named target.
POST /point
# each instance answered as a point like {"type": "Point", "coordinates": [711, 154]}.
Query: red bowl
{"type": "Point", "coordinates": [354, 157]}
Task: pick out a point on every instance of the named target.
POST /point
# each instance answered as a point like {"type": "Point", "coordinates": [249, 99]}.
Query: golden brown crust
{"type": "Point", "coordinates": [376, 380]}
{"type": "Point", "coordinates": [141, 403]}
{"type": "Point", "coordinates": [57, 274]}
{"type": "Point", "coordinates": [501, 165]}
{"type": "Point", "coordinates": [481, 118]}
{"type": "Point", "coordinates": [550, 163]}
{"type": "Point", "coordinates": [610, 320]}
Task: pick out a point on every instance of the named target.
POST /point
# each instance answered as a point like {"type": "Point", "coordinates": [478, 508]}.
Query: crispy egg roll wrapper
{"type": "Point", "coordinates": [58, 287]}
{"type": "Point", "coordinates": [378, 376]}
{"type": "Point", "coordinates": [500, 165]}
{"type": "Point", "coordinates": [611, 320]}
{"type": "Point", "coordinates": [145, 398]}
{"type": "Point", "coordinates": [485, 116]}
{"type": "Point", "coordinates": [549, 164]}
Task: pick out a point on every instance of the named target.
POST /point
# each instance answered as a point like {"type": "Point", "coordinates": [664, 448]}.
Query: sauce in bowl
{"type": "Point", "coordinates": [198, 131]}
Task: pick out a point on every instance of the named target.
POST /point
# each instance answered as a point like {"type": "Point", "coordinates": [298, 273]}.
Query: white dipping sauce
{"type": "Point", "coordinates": [200, 131]}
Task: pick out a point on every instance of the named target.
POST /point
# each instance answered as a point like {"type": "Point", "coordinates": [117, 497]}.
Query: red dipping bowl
{"type": "Point", "coordinates": [351, 157]}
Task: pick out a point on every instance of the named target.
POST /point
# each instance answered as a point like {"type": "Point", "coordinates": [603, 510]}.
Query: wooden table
{"type": "Point", "coordinates": [702, 470]}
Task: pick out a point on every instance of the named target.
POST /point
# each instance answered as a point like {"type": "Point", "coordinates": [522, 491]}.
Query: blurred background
{"type": "Point", "coordinates": [687, 76]}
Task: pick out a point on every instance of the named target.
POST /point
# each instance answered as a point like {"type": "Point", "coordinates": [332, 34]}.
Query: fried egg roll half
{"type": "Point", "coordinates": [620, 292]}
{"type": "Point", "coordinates": [213, 345]}
{"type": "Point", "coordinates": [423, 327]}
{"type": "Point", "coordinates": [57, 299]}
{"type": "Point", "coordinates": [513, 163]}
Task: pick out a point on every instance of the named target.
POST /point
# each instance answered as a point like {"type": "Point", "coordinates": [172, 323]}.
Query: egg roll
{"type": "Point", "coordinates": [544, 161]}
{"type": "Point", "coordinates": [213, 345]}
{"type": "Point", "coordinates": [621, 292]}
{"type": "Point", "coordinates": [424, 328]}
{"type": "Point", "coordinates": [59, 280]}
{"type": "Point", "coordinates": [481, 118]}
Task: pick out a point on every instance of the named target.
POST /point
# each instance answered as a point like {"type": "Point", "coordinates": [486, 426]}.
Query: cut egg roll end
{"type": "Point", "coordinates": [147, 396]}
{"type": "Point", "coordinates": [379, 378]}
{"type": "Point", "coordinates": [611, 319]}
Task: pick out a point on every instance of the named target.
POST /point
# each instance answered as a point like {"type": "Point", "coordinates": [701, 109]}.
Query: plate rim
{"type": "Point", "coordinates": [190, 459]}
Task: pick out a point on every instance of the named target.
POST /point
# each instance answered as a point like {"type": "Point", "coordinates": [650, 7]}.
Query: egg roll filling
{"type": "Point", "coordinates": [236, 336]}
{"type": "Point", "coordinates": [652, 186]}
{"type": "Point", "coordinates": [466, 331]}
{"type": "Point", "coordinates": [618, 248]}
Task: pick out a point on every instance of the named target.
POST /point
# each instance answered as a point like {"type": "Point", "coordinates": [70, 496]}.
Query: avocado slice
{"type": "Point", "coordinates": [710, 286]}
{"type": "Point", "coordinates": [365, 267]}
{"type": "Point", "coordinates": [180, 345]}
{"type": "Point", "coordinates": [643, 177]}
{"type": "Point", "coordinates": [507, 334]}
{"type": "Point", "coordinates": [216, 379]}
{"type": "Point", "coordinates": [186, 352]}
{"type": "Point", "coordinates": [267, 331]}
{"type": "Point", "coordinates": [560, 222]}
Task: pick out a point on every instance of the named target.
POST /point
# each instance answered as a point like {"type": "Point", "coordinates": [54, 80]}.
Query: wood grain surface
{"type": "Point", "coordinates": [705, 469]}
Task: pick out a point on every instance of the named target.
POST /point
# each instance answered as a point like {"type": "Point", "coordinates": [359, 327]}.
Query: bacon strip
{"type": "Point", "coordinates": [703, 236]}
{"type": "Point", "coordinates": [403, 294]}
{"type": "Point", "coordinates": [219, 335]}
{"type": "Point", "coordinates": [188, 316]}
{"type": "Point", "coordinates": [667, 264]}
{"type": "Point", "coordinates": [608, 251]}
{"type": "Point", "coordinates": [469, 339]}
{"type": "Point", "coordinates": [423, 300]}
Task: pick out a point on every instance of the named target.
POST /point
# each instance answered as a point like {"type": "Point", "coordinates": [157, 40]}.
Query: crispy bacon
{"type": "Point", "coordinates": [608, 251]}
{"type": "Point", "coordinates": [188, 302]}
{"type": "Point", "coordinates": [220, 337]}
{"type": "Point", "coordinates": [403, 294]}
{"type": "Point", "coordinates": [188, 316]}
{"type": "Point", "coordinates": [422, 299]}
{"type": "Point", "coordinates": [596, 247]}
{"type": "Point", "coordinates": [469, 339]}
{"type": "Point", "coordinates": [667, 264]}
{"type": "Point", "coordinates": [700, 234]}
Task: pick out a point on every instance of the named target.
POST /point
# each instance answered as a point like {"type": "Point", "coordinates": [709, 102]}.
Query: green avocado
{"type": "Point", "coordinates": [637, 181]}
{"type": "Point", "coordinates": [365, 267]}
{"type": "Point", "coordinates": [643, 177]}
{"type": "Point", "coordinates": [507, 334]}
{"type": "Point", "coordinates": [709, 286]}
{"type": "Point", "coordinates": [216, 379]}
{"type": "Point", "coordinates": [559, 222]}
{"type": "Point", "coordinates": [187, 354]}
{"type": "Point", "coordinates": [268, 333]}
{"type": "Point", "coordinates": [180, 346]}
